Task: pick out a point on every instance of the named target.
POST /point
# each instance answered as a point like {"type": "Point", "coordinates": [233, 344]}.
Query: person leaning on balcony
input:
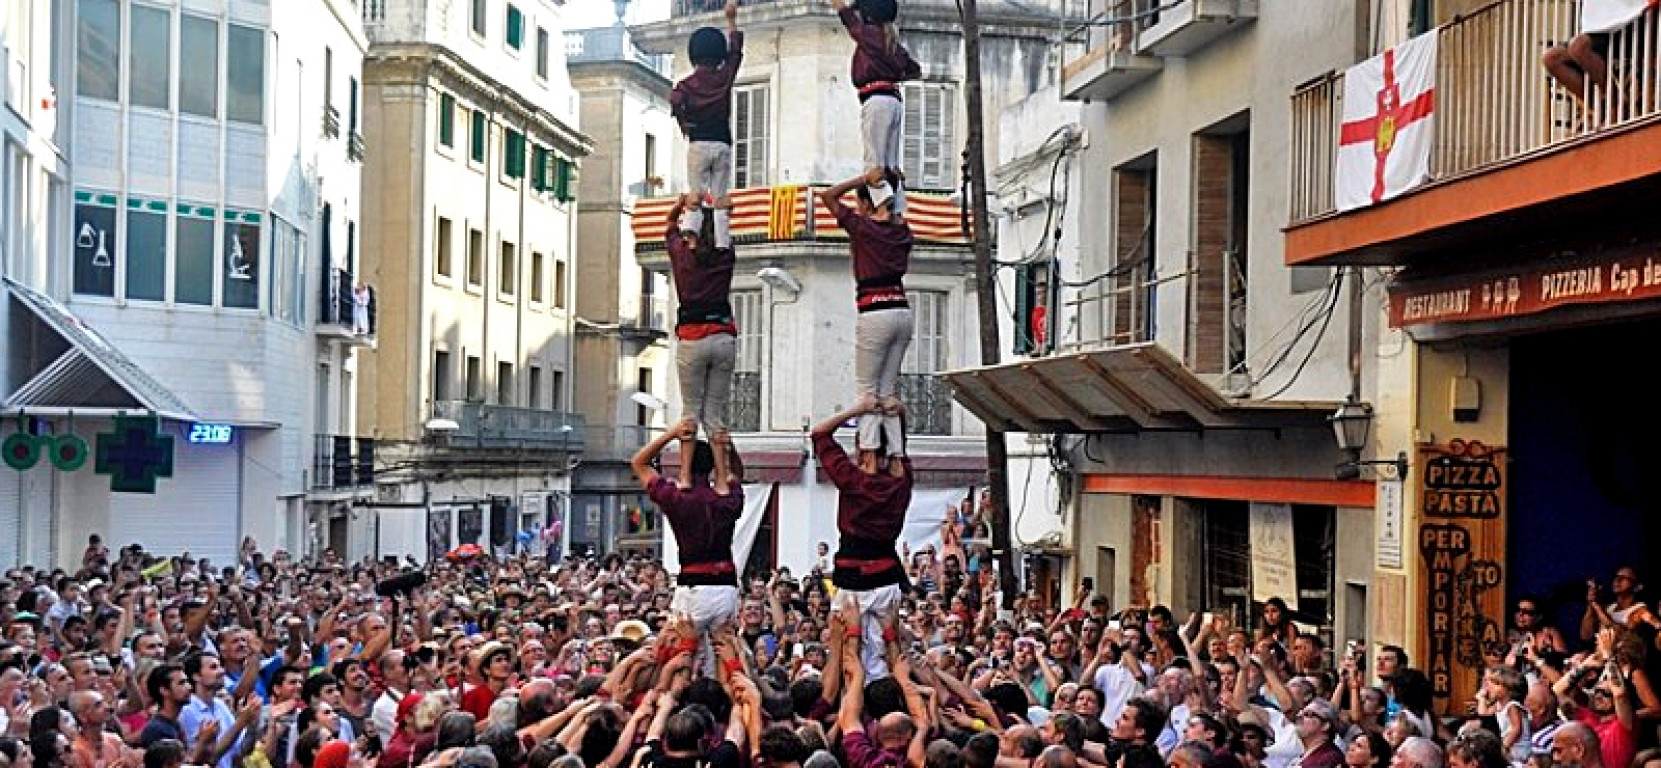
{"type": "Point", "coordinates": [702, 507]}
{"type": "Point", "coordinates": [706, 338]}
{"type": "Point", "coordinates": [702, 104]}
{"type": "Point", "coordinates": [880, 64]}
{"type": "Point", "coordinates": [1585, 59]}
{"type": "Point", "coordinates": [881, 244]}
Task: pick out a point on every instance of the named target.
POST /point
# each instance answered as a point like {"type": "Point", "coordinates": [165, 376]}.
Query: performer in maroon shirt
{"type": "Point", "coordinates": [881, 244]}
{"type": "Point", "coordinates": [702, 103]}
{"type": "Point", "coordinates": [706, 340]}
{"type": "Point", "coordinates": [871, 504]}
{"type": "Point", "coordinates": [702, 514]}
{"type": "Point", "coordinates": [880, 64]}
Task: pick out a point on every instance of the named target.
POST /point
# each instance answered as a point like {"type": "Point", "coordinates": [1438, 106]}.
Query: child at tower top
{"type": "Point", "coordinates": [880, 64]}
{"type": "Point", "coordinates": [702, 104]}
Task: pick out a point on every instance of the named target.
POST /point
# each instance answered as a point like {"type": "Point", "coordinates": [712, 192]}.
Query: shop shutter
{"type": "Point", "coordinates": [196, 510]}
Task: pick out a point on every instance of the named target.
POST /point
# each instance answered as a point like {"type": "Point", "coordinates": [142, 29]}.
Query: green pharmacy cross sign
{"type": "Point", "coordinates": [134, 454]}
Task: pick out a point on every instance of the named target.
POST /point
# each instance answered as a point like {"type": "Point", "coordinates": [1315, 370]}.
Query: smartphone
{"type": "Point", "coordinates": [1114, 625]}
{"type": "Point", "coordinates": [1089, 583]}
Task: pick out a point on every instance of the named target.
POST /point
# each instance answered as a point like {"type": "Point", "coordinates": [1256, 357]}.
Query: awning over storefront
{"type": "Point", "coordinates": [1131, 388]}
{"type": "Point", "coordinates": [66, 365]}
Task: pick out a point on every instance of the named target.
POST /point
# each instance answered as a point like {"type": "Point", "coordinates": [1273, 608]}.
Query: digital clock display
{"type": "Point", "coordinates": [211, 434]}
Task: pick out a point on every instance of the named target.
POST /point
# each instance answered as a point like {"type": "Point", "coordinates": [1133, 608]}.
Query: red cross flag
{"type": "Point", "coordinates": [1389, 106]}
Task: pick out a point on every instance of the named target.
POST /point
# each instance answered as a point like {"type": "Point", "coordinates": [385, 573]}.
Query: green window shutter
{"type": "Point", "coordinates": [565, 180]}
{"type": "Point", "coordinates": [1023, 308]}
{"type": "Point", "coordinates": [539, 169]}
{"type": "Point", "coordinates": [513, 160]}
{"type": "Point", "coordinates": [447, 120]}
{"type": "Point", "coordinates": [478, 133]}
{"type": "Point", "coordinates": [516, 27]}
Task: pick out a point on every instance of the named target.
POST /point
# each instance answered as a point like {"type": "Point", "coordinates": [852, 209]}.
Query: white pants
{"type": "Point", "coordinates": [882, 124]}
{"type": "Point", "coordinates": [881, 338]}
{"type": "Point", "coordinates": [705, 367]}
{"type": "Point", "coordinates": [709, 168]}
{"type": "Point", "coordinates": [708, 607]}
{"type": "Point", "coordinates": [874, 605]}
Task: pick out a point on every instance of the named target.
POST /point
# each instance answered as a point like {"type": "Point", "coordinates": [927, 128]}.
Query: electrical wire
{"type": "Point", "coordinates": [1313, 346]}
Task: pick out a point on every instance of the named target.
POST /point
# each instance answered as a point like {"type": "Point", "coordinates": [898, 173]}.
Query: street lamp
{"type": "Point", "coordinates": [1350, 424]}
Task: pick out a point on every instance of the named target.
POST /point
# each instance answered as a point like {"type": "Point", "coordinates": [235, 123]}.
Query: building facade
{"type": "Point", "coordinates": [470, 236]}
{"type": "Point", "coordinates": [623, 310]}
{"type": "Point", "coordinates": [179, 277]}
{"type": "Point", "coordinates": [1181, 372]}
{"type": "Point", "coordinates": [796, 131]}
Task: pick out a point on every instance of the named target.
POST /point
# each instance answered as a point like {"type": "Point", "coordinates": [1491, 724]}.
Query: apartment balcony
{"type": "Point", "coordinates": [651, 320]}
{"type": "Point", "coordinates": [1101, 60]}
{"type": "Point", "coordinates": [482, 425]}
{"type": "Point", "coordinates": [343, 462]}
{"type": "Point", "coordinates": [1514, 155]}
{"type": "Point", "coordinates": [928, 404]}
{"type": "Point", "coordinates": [340, 316]}
{"type": "Point", "coordinates": [1187, 26]}
{"type": "Point", "coordinates": [331, 122]}
{"type": "Point", "coordinates": [354, 147]}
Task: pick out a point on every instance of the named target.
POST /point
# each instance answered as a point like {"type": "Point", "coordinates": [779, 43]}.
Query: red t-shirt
{"type": "Point", "coordinates": [477, 700]}
{"type": "Point", "coordinates": [1618, 743]}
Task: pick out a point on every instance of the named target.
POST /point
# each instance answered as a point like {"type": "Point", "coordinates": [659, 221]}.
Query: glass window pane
{"type": "Point", "coordinates": [98, 49]}
{"type": "Point", "coordinates": [245, 80]}
{"type": "Point", "coordinates": [148, 56]}
{"type": "Point", "coordinates": [199, 66]}
{"type": "Point", "coordinates": [242, 264]}
{"type": "Point", "coordinates": [146, 255]}
{"type": "Point", "coordinates": [95, 250]}
{"type": "Point", "coordinates": [193, 275]}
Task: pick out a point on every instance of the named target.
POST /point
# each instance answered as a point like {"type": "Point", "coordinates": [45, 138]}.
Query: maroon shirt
{"type": "Point", "coordinates": [702, 101]}
{"type": "Point", "coordinates": [873, 61]}
{"type": "Point", "coordinates": [870, 511]}
{"type": "Point", "coordinates": [702, 289]}
{"type": "Point", "coordinates": [864, 752]}
{"type": "Point", "coordinates": [703, 522]}
{"type": "Point", "coordinates": [882, 253]}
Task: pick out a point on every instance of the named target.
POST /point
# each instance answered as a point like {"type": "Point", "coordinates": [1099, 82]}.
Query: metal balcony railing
{"type": "Point", "coordinates": [1495, 102]}
{"type": "Point", "coordinates": [654, 312]}
{"type": "Point", "coordinates": [1113, 311]}
{"type": "Point", "coordinates": [354, 147]}
{"type": "Point", "coordinates": [342, 462]}
{"type": "Point", "coordinates": [331, 121]}
{"type": "Point", "coordinates": [745, 411]}
{"type": "Point", "coordinates": [339, 306]}
{"type": "Point", "coordinates": [928, 404]}
{"type": "Point", "coordinates": [481, 425]}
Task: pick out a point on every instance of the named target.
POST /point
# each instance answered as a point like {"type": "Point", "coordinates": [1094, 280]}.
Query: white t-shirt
{"type": "Point", "coordinates": [1118, 687]}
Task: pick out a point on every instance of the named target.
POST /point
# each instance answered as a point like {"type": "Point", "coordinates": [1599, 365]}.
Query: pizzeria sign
{"type": "Point", "coordinates": [1616, 275]}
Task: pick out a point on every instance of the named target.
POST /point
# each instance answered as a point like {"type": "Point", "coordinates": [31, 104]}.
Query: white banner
{"type": "Point", "coordinates": [1389, 110]}
{"type": "Point", "coordinates": [1273, 556]}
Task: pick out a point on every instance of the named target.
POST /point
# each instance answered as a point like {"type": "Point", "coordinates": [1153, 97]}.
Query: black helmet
{"type": "Point", "coordinates": [708, 46]}
{"type": "Point", "coordinates": [878, 11]}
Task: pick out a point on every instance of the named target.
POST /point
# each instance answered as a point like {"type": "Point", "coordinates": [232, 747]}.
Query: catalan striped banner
{"type": "Point", "coordinates": [779, 214]}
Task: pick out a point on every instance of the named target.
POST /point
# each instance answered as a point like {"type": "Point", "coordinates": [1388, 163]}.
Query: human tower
{"type": "Point", "coordinates": [704, 501]}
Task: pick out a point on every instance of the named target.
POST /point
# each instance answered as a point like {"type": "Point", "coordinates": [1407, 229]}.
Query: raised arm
{"type": "Point", "coordinates": [832, 423]}
{"type": "Point", "coordinates": [732, 17]}
{"type": "Point", "coordinates": [832, 196]}
{"type": "Point", "coordinates": [642, 461]}
{"type": "Point", "coordinates": [721, 448]}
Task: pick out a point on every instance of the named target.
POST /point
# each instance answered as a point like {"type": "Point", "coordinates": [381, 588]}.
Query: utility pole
{"type": "Point", "coordinates": [997, 454]}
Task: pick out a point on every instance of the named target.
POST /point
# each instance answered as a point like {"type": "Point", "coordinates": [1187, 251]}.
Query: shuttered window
{"type": "Point", "coordinates": [513, 159]}
{"type": "Point", "coordinates": [928, 342]}
{"type": "Point", "coordinates": [746, 314]}
{"type": "Point", "coordinates": [928, 148]}
{"type": "Point", "coordinates": [750, 136]}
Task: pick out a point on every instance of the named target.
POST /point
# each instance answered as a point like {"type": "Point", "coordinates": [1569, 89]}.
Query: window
{"type": "Point", "coordinates": [328, 78]}
{"type": "Point", "coordinates": [149, 54]}
{"type": "Point", "coordinates": [928, 149]}
{"type": "Point", "coordinates": [746, 314]}
{"type": "Point", "coordinates": [98, 50]}
{"type": "Point", "coordinates": [513, 156]}
{"type": "Point", "coordinates": [475, 257]}
{"type": "Point", "coordinates": [95, 246]}
{"type": "Point", "coordinates": [441, 375]}
{"type": "Point", "coordinates": [476, 133]}
{"type": "Point", "coordinates": [351, 106]}
{"type": "Point", "coordinates": [565, 180]}
{"type": "Point", "coordinates": [643, 383]}
{"type": "Point", "coordinates": [475, 369]}
{"type": "Point", "coordinates": [515, 27]}
{"type": "Point", "coordinates": [928, 343]}
{"type": "Point", "coordinates": [288, 272]}
{"type": "Point", "coordinates": [539, 168]}
{"type": "Point", "coordinates": [442, 258]}
{"type": "Point", "coordinates": [509, 268]}
{"type": "Point", "coordinates": [194, 255]}
{"type": "Point", "coordinates": [241, 280]}
{"type": "Point", "coordinates": [651, 165]}
{"type": "Point", "coordinates": [504, 383]}
{"type": "Point", "coordinates": [245, 76]}
{"type": "Point", "coordinates": [749, 133]}
{"type": "Point", "coordinates": [479, 8]}
{"type": "Point", "coordinates": [559, 283]}
{"type": "Point", "coordinates": [556, 391]}
{"type": "Point", "coordinates": [146, 255]}
{"type": "Point", "coordinates": [199, 82]}
{"type": "Point", "coordinates": [536, 276]}
{"type": "Point", "coordinates": [542, 53]}
{"type": "Point", "coordinates": [533, 387]}
{"type": "Point", "coordinates": [447, 120]}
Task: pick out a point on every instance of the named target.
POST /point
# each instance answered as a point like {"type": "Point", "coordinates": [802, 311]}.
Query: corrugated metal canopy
{"type": "Point", "coordinates": [89, 372]}
{"type": "Point", "coordinates": [1129, 388]}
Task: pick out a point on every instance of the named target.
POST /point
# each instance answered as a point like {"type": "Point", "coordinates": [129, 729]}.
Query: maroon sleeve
{"type": "Point", "coordinates": [850, 19]}
{"type": "Point", "coordinates": [845, 216]}
{"type": "Point", "coordinates": [861, 752]}
{"type": "Point", "coordinates": [834, 459]}
{"type": "Point", "coordinates": [735, 56]}
{"type": "Point", "coordinates": [912, 70]}
{"type": "Point", "coordinates": [732, 503]}
{"type": "Point", "coordinates": [664, 492]}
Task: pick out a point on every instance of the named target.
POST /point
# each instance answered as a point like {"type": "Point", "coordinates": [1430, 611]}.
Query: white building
{"type": "Point", "coordinates": [796, 122]}
{"type": "Point", "coordinates": [470, 214]}
{"type": "Point", "coordinates": [211, 200]}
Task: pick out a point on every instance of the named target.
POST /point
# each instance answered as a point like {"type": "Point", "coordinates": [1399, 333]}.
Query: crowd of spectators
{"type": "Point", "coordinates": [135, 659]}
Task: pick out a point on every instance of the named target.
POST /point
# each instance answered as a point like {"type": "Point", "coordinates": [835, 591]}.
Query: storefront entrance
{"type": "Point", "coordinates": [1585, 435]}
